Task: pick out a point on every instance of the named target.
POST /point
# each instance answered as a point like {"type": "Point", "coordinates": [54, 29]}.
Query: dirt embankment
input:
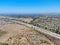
{"type": "Point", "coordinates": [22, 35]}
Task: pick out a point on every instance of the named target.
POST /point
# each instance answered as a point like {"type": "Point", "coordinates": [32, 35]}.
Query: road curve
{"type": "Point", "coordinates": [43, 31]}
{"type": "Point", "coordinates": [39, 29]}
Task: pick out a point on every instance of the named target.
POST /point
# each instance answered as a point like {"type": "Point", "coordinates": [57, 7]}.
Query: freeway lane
{"type": "Point", "coordinates": [43, 31]}
{"type": "Point", "coordinates": [38, 29]}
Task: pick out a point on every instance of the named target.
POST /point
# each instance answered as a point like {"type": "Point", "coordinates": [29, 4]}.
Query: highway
{"type": "Point", "coordinates": [46, 32]}
{"type": "Point", "coordinates": [43, 31]}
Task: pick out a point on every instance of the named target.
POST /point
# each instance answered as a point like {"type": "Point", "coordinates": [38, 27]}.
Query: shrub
{"type": "Point", "coordinates": [4, 44]}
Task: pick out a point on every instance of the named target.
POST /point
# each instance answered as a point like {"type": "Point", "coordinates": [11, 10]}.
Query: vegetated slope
{"type": "Point", "coordinates": [2, 33]}
{"type": "Point", "coordinates": [48, 23]}
{"type": "Point", "coordinates": [22, 35]}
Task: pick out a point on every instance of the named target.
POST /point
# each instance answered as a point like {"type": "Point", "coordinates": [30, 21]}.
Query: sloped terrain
{"type": "Point", "coordinates": [22, 35]}
{"type": "Point", "coordinates": [49, 23]}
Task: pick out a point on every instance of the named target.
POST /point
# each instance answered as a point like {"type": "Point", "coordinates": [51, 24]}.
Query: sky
{"type": "Point", "coordinates": [29, 6]}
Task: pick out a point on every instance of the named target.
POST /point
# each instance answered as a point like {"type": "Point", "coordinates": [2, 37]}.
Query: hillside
{"type": "Point", "coordinates": [51, 23]}
{"type": "Point", "coordinates": [21, 35]}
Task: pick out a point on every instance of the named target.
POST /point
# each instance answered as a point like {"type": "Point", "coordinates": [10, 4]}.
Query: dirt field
{"type": "Point", "coordinates": [27, 20]}
{"type": "Point", "coordinates": [22, 35]}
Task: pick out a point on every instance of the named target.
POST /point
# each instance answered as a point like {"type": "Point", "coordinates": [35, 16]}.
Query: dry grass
{"type": "Point", "coordinates": [22, 35]}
